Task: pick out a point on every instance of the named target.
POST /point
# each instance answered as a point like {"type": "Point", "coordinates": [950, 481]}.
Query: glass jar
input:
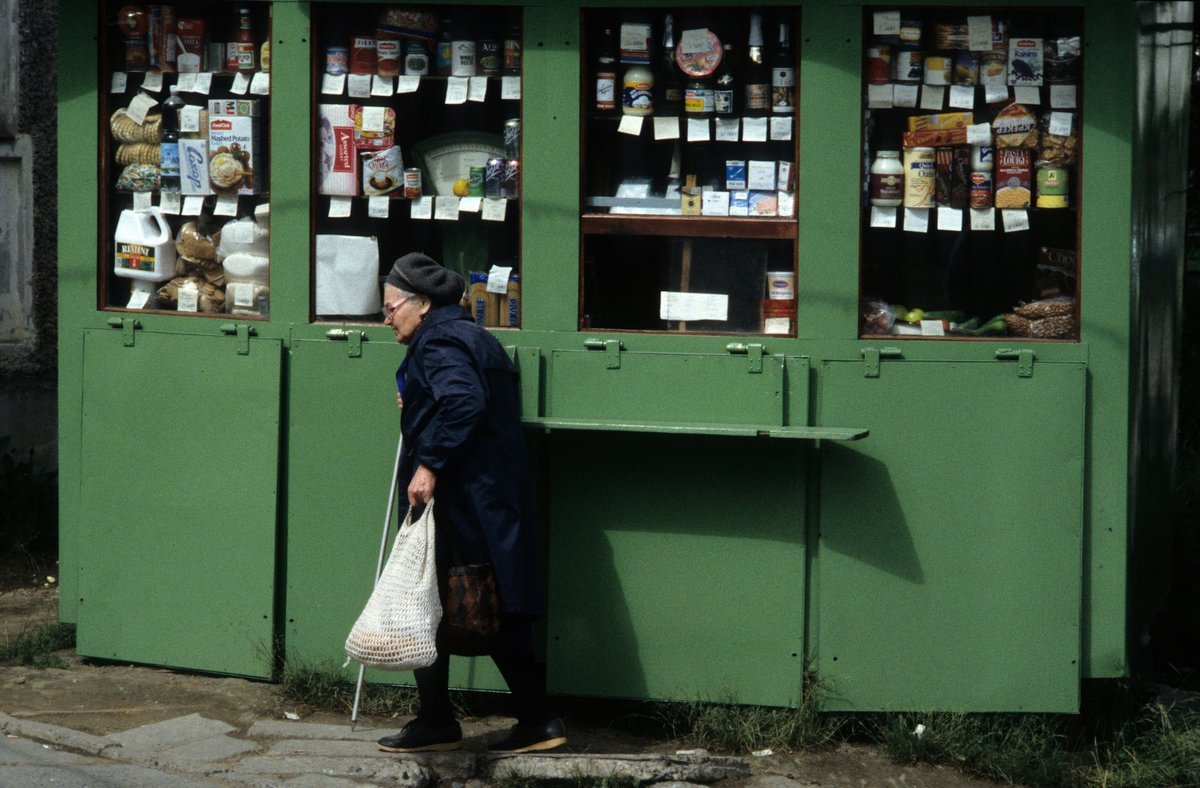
{"type": "Point", "coordinates": [887, 179]}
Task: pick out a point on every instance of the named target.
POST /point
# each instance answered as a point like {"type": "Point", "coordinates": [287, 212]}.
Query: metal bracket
{"type": "Point", "coordinates": [1024, 359]}
{"type": "Point", "coordinates": [754, 351]}
{"type": "Point", "coordinates": [128, 325]}
{"type": "Point", "coordinates": [612, 351]}
{"type": "Point", "coordinates": [872, 355]}
{"type": "Point", "coordinates": [243, 333]}
{"type": "Point", "coordinates": [354, 340]}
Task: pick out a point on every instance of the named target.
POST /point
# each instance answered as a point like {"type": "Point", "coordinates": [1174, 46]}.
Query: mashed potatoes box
{"type": "Point", "coordinates": [234, 152]}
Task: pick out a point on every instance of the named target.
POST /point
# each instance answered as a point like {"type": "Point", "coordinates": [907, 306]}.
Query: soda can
{"type": "Point", "coordinates": [511, 187]}
{"type": "Point", "coordinates": [494, 178]}
{"type": "Point", "coordinates": [512, 138]}
{"type": "Point", "coordinates": [412, 183]}
{"type": "Point", "coordinates": [511, 313]}
{"type": "Point", "coordinates": [475, 181]}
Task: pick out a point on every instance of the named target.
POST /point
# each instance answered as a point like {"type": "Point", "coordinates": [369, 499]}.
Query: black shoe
{"type": "Point", "coordinates": [416, 736]}
{"type": "Point", "coordinates": [532, 738]}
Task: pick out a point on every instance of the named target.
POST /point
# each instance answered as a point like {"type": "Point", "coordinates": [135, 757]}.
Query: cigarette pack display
{"type": "Point", "coordinates": [739, 203]}
{"type": "Point", "coordinates": [337, 157]}
{"type": "Point", "coordinates": [761, 175]}
{"type": "Point", "coordinates": [764, 203]}
{"type": "Point", "coordinates": [735, 174]}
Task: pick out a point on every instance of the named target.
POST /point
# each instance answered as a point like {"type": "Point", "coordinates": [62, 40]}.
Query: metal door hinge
{"type": "Point", "coordinates": [612, 351]}
{"type": "Point", "coordinates": [1024, 359]}
{"type": "Point", "coordinates": [872, 355]}
{"type": "Point", "coordinates": [243, 333]}
{"type": "Point", "coordinates": [753, 351]}
{"type": "Point", "coordinates": [127, 325]}
{"type": "Point", "coordinates": [354, 339]}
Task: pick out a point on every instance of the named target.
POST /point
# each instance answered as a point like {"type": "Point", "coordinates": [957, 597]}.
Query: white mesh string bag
{"type": "Point", "coordinates": [397, 627]}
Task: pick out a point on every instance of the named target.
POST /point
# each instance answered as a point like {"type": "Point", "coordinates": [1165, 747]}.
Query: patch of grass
{"type": "Point", "coordinates": [36, 647]}
{"type": "Point", "coordinates": [325, 686]}
{"type": "Point", "coordinates": [1161, 749]}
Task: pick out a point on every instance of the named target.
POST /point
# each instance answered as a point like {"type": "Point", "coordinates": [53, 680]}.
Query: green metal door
{"type": "Point", "coordinates": [948, 572]}
{"type": "Point", "coordinates": [179, 468]}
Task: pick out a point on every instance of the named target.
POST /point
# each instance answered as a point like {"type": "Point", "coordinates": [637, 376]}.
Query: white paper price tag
{"type": "Point", "coordinates": [905, 95]}
{"type": "Point", "coordinates": [262, 213]}
{"type": "Point", "coordinates": [883, 217]}
{"type": "Point", "coordinates": [477, 89]}
{"type": "Point", "coordinates": [445, 209]}
{"type": "Point", "coordinates": [192, 205]}
{"type": "Point", "coordinates": [170, 203]}
{"type": "Point", "coordinates": [421, 208]}
{"type": "Point", "coordinates": [879, 96]}
{"type": "Point", "coordinates": [358, 85]}
{"type": "Point", "coordinates": [979, 134]}
{"type": "Point", "coordinates": [186, 83]}
{"type": "Point", "coordinates": [152, 81]}
{"type": "Point", "coordinates": [693, 306]}
{"type": "Point", "coordinates": [204, 82]}
{"type": "Point", "coordinates": [727, 129]}
{"type": "Point", "coordinates": [916, 220]}
{"type": "Point", "coordinates": [381, 86]}
{"type": "Point", "coordinates": [373, 119]}
{"type": "Point", "coordinates": [139, 106]}
{"type": "Point", "coordinates": [781, 128]}
{"type": "Point", "coordinates": [510, 88]}
{"type": "Point", "coordinates": [241, 83]}
{"type": "Point", "coordinates": [407, 83]}
{"type": "Point", "coordinates": [497, 281]}
{"type": "Point", "coordinates": [189, 118]}
{"type": "Point", "coordinates": [933, 97]}
{"type": "Point", "coordinates": [630, 124]}
{"type": "Point", "coordinates": [932, 328]}
{"type": "Point", "coordinates": [886, 23]}
{"type": "Point", "coordinates": [983, 219]}
{"type": "Point", "coordinates": [1060, 124]}
{"type": "Point", "coordinates": [666, 128]}
{"type": "Point", "coordinates": [339, 207]}
{"type": "Point", "coordinates": [949, 219]}
{"type": "Point", "coordinates": [694, 41]}
{"type": "Point", "coordinates": [120, 80]}
{"type": "Point", "coordinates": [962, 97]}
{"type": "Point", "coordinates": [994, 94]}
{"type": "Point", "coordinates": [698, 130]}
{"type": "Point", "coordinates": [138, 299]}
{"type": "Point", "coordinates": [754, 129]}
{"type": "Point", "coordinates": [469, 204]}
{"type": "Point", "coordinates": [331, 84]}
{"type": "Point", "coordinates": [378, 206]}
{"type": "Point", "coordinates": [189, 299]}
{"type": "Point", "coordinates": [456, 90]}
{"type": "Point", "coordinates": [260, 83]}
{"type": "Point", "coordinates": [1015, 220]}
{"type": "Point", "coordinates": [1062, 97]}
{"type": "Point", "coordinates": [143, 201]}
{"type": "Point", "coordinates": [979, 33]}
{"type": "Point", "coordinates": [1027, 95]}
{"type": "Point", "coordinates": [494, 209]}
{"type": "Point", "coordinates": [226, 205]}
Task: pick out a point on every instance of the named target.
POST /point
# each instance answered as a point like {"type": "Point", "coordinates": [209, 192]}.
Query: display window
{"type": "Point", "coordinates": [689, 140]}
{"type": "Point", "coordinates": [972, 142]}
{"type": "Point", "coordinates": [184, 188]}
{"type": "Point", "coordinates": [416, 148]}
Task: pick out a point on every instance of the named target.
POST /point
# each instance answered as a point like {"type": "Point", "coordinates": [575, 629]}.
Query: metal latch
{"type": "Point", "coordinates": [754, 351]}
{"type": "Point", "coordinates": [353, 338]}
{"type": "Point", "coordinates": [1024, 359]}
{"type": "Point", "coordinates": [243, 333]}
{"type": "Point", "coordinates": [612, 351]}
{"type": "Point", "coordinates": [127, 325]}
{"type": "Point", "coordinates": [872, 355]}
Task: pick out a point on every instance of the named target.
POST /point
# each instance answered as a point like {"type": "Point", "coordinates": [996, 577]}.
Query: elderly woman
{"type": "Point", "coordinates": [461, 425]}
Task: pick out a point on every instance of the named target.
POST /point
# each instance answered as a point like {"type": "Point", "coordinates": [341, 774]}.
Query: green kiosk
{"type": "Point", "coordinates": [846, 334]}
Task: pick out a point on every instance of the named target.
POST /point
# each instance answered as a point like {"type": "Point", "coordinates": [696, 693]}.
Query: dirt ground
{"type": "Point", "coordinates": [103, 697]}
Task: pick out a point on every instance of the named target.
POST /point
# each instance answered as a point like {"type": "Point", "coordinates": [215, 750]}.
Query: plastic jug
{"type": "Point", "coordinates": [144, 247]}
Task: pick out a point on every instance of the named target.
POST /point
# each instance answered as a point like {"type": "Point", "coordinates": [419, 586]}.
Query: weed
{"type": "Point", "coordinates": [325, 686]}
{"type": "Point", "coordinates": [1161, 749]}
{"type": "Point", "coordinates": [36, 647]}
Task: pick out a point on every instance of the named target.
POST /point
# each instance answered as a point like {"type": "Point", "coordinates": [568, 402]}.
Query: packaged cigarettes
{"type": "Point", "coordinates": [735, 174]}
{"type": "Point", "coordinates": [761, 175]}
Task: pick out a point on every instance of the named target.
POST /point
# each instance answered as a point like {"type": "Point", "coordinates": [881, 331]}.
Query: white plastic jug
{"type": "Point", "coordinates": [144, 247]}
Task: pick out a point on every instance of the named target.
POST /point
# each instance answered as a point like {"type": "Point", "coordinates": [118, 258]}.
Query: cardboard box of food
{"type": "Point", "coordinates": [337, 161]}
{"type": "Point", "coordinates": [234, 150]}
{"type": "Point", "coordinates": [941, 121]}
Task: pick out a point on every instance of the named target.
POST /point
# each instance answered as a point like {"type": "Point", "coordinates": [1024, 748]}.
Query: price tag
{"type": "Point", "coordinates": [143, 201]}
{"type": "Point", "coordinates": [666, 128]}
{"type": "Point", "coordinates": [1025, 94]}
{"type": "Point", "coordinates": [494, 209]}
{"type": "Point", "coordinates": [170, 203]}
{"type": "Point", "coordinates": [979, 134]}
{"type": "Point", "coordinates": [407, 83]}
{"type": "Point", "coordinates": [241, 83]}
{"type": "Point", "coordinates": [152, 81]}
{"type": "Point", "coordinates": [120, 80]}
{"type": "Point", "coordinates": [260, 84]}
{"type": "Point", "coordinates": [916, 220]}
{"type": "Point", "coordinates": [510, 88]}
{"type": "Point", "coordinates": [189, 299]}
{"type": "Point", "coordinates": [138, 299]}
{"type": "Point", "coordinates": [883, 217]}
{"type": "Point", "coordinates": [381, 86]}
{"type": "Point", "coordinates": [949, 219]}
{"type": "Point", "coordinates": [262, 213]}
{"type": "Point", "coordinates": [497, 281]}
{"type": "Point", "coordinates": [905, 95]}
{"type": "Point", "coordinates": [754, 129]}
{"type": "Point", "coordinates": [933, 97]}
{"type": "Point", "coordinates": [983, 219]}
{"type": "Point", "coordinates": [1060, 124]}
{"type": "Point", "coordinates": [727, 129]}
{"type": "Point", "coordinates": [477, 88]}
{"type": "Point", "coordinates": [962, 96]}
{"type": "Point", "coordinates": [186, 83]}
{"type": "Point", "coordinates": [226, 205]}
{"type": "Point", "coordinates": [358, 85]}
{"type": "Point", "coordinates": [630, 124]}
{"type": "Point", "coordinates": [781, 128]}
{"type": "Point", "coordinates": [339, 207]}
{"type": "Point", "coordinates": [189, 118]}
{"type": "Point", "coordinates": [140, 105]}
{"type": "Point", "coordinates": [994, 94]}
{"type": "Point", "coordinates": [698, 130]}
{"type": "Point", "coordinates": [932, 328]}
{"type": "Point", "coordinates": [204, 82]}
{"type": "Point", "coordinates": [421, 208]}
{"type": "Point", "coordinates": [377, 207]}
{"type": "Point", "coordinates": [372, 119]}
{"type": "Point", "coordinates": [887, 23]}
{"type": "Point", "coordinates": [456, 90]}
{"type": "Point", "coordinates": [879, 96]}
{"type": "Point", "coordinates": [1062, 97]}
{"type": "Point", "coordinates": [694, 41]}
{"type": "Point", "coordinates": [1015, 220]}
{"type": "Point", "coordinates": [193, 204]}
{"type": "Point", "coordinates": [331, 84]}
{"type": "Point", "coordinates": [470, 204]}
{"type": "Point", "coordinates": [445, 208]}
{"type": "Point", "coordinates": [979, 33]}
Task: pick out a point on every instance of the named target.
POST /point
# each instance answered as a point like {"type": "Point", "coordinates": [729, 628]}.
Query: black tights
{"type": "Point", "coordinates": [513, 655]}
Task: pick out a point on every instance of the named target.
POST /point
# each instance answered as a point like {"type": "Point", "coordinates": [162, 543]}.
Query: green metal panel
{"type": "Point", "coordinates": [343, 425]}
{"type": "Point", "coordinates": [180, 440]}
{"type": "Point", "coordinates": [949, 563]}
{"type": "Point", "coordinates": [676, 567]}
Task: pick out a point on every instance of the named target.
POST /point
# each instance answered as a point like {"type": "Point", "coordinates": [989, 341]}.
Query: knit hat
{"type": "Point", "coordinates": [418, 273]}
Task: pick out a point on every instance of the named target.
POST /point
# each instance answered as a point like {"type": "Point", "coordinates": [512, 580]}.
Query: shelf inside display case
{"type": "Point", "coordinates": [688, 226]}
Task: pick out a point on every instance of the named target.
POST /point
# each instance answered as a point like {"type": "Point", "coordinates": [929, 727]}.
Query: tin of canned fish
{"type": "Point", "coordinates": [412, 183]}
{"type": "Point", "coordinates": [512, 138]}
{"type": "Point", "coordinates": [476, 177]}
{"type": "Point", "coordinates": [511, 185]}
{"type": "Point", "coordinates": [493, 178]}
{"type": "Point", "coordinates": [416, 58]}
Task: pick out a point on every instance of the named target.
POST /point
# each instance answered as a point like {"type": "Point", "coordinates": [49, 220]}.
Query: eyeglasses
{"type": "Point", "coordinates": [390, 309]}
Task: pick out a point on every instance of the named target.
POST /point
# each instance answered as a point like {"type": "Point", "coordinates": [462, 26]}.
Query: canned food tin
{"type": "Point", "coordinates": [938, 69]}
{"type": "Point", "coordinates": [512, 138]}
{"type": "Point", "coordinates": [879, 64]}
{"type": "Point", "coordinates": [493, 178]}
{"type": "Point", "coordinates": [1051, 187]}
{"type": "Point", "coordinates": [412, 183]}
{"type": "Point", "coordinates": [387, 61]}
{"type": "Point", "coordinates": [490, 57]}
{"type": "Point", "coordinates": [362, 55]}
{"type": "Point", "coordinates": [462, 58]}
{"type": "Point", "coordinates": [511, 186]}
{"type": "Point", "coordinates": [781, 285]}
{"type": "Point", "coordinates": [908, 65]}
{"type": "Point", "coordinates": [475, 181]}
{"type": "Point", "coordinates": [920, 177]}
{"type": "Point", "coordinates": [337, 60]}
{"type": "Point", "coordinates": [416, 58]}
{"type": "Point", "coordinates": [981, 189]}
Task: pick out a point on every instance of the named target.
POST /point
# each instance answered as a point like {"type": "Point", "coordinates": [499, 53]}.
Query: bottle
{"type": "Point", "coordinates": [757, 79]}
{"type": "Point", "coordinates": [783, 75]}
{"type": "Point", "coordinates": [244, 41]}
{"type": "Point", "coordinates": [606, 73]}
{"type": "Point", "coordinates": [512, 48]}
{"type": "Point", "coordinates": [887, 179]}
{"type": "Point", "coordinates": [637, 94]}
{"type": "Point", "coordinates": [670, 91]}
{"type": "Point", "coordinates": [725, 91]}
{"type": "Point", "coordinates": [169, 174]}
{"type": "Point", "coordinates": [698, 98]}
{"type": "Point", "coordinates": [443, 57]}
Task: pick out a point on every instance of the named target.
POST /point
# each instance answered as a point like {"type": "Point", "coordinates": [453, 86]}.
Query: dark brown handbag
{"type": "Point", "coordinates": [471, 614]}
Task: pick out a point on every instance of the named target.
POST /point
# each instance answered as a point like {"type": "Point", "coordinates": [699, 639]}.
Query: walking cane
{"type": "Point", "coordinates": [387, 526]}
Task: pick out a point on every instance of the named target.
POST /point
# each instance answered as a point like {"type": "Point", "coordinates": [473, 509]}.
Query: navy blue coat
{"type": "Point", "coordinates": [462, 419]}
